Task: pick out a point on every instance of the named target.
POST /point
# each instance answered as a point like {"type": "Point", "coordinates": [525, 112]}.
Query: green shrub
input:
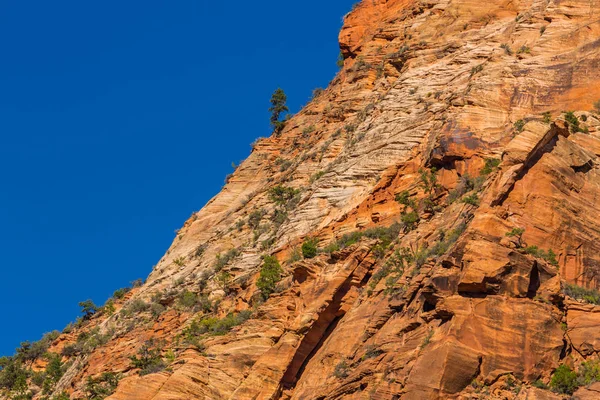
{"type": "Point", "coordinates": [410, 220]}
{"type": "Point", "coordinates": [547, 117]}
{"type": "Point", "coordinates": [148, 358]}
{"type": "Point", "coordinates": [284, 196]}
{"type": "Point", "coordinates": [187, 299]}
{"type": "Point", "coordinates": [564, 380]}
{"type": "Point", "coordinates": [309, 248]}
{"type": "Point", "coordinates": [101, 387]}
{"type": "Point", "coordinates": [270, 274]}
{"type": "Point", "coordinates": [572, 120]}
{"type": "Point", "coordinates": [519, 125]}
{"type": "Point", "coordinates": [120, 293]}
{"type": "Point", "coordinates": [592, 296]}
{"type": "Point", "coordinates": [471, 199]}
{"type": "Point", "coordinates": [588, 373]}
{"type": "Point", "coordinates": [54, 371]}
{"type": "Point", "coordinates": [491, 164]}
{"type": "Point", "coordinates": [548, 256]}
{"type": "Point", "coordinates": [88, 309]}
{"type": "Point", "coordinates": [518, 233]}
{"type": "Point", "coordinates": [135, 307]}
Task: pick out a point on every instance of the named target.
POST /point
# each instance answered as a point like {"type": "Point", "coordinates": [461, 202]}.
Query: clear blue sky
{"type": "Point", "coordinates": [118, 119]}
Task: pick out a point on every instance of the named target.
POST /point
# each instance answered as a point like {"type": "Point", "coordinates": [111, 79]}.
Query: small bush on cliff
{"type": "Point", "coordinates": [471, 199]}
{"type": "Point", "coordinates": [592, 296]}
{"type": "Point", "coordinates": [101, 387]}
{"type": "Point", "coordinates": [309, 248]}
{"type": "Point", "coordinates": [549, 256]}
{"type": "Point", "coordinates": [148, 358]}
{"type": "Point", "coordinates": [187, 299]}
{"type": "Point", "coordinates": [573, 121]}
{"type": "Point", "coordinates": [284, 196]}
{"type": "Point", "coordinates": [491, 164]}
{"type": "Point", "coordinates": [519, 125]}
{"type": "Point", "coordinates": [564, 380]}
{"type": "Point", "coordinates": [341, 370]}
{"type": "Point", "coordinates": [120, 293]}
{"type": "Point", "coordinates": [518, 233]}
{"type": "Point", "coordinates": [270, 274]}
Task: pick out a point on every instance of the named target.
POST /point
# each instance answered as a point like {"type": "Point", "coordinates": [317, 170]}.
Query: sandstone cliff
{"type": "Point", "coordinates": [454, 203]}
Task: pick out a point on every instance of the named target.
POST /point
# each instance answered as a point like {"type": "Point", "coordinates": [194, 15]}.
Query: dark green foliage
{"type": "Point", "coordinates": [12, 373]}
{"type": "Point", "coordinates": [187, 299]}
{"type": "Point", "coordinates": [148, 359]}
{"type": "Point", "coordinates": [309, 248]}
{"type": "Point", "coordinates": [101, 387]}
{"type": "Point", "coordinates": [519, 125]}
{"type": "Point", "coordinates": [577, 292]}
{"type": "Point", "coordinates": [214, 326]}
{"type": "Point", "coordinates": [270, 274]}
{"type": "Point", "coordinates": [564, 380]}
{"type": "Point", "coordinates": [549, 256]}
{"type": "Point", "coordinates": [573, 121]}
{"type": "Point", "coordinates": [471, 199]}
{"type": "Point", "coordinates": [491, 164]}
{"type": "Point", "coordinates": [120, 293]}
{"type": "Point", "coordinates": [284, 196]}
{"type": "Point", "coordinates": [429, 181]}
{"type": "Point", "coordinates": [29, 352]}
{"type": "Point", "coordinates": [278, 107]}
{"type": "Point", "coordinates": [410, 220]}
{"type": "Point", "coordinates": [518, 233]}
{"type": "Point", "coordinates": [524, 50]}
{"type": "Point", "coordinates": [88, 309]}
{"type": "Point", "coordinates": [547, 117]}
{"type": "Point", "coordinates": [54, 371]}
{"type": "Point", "coordinates": [588, 373]}
{"type": "Point", "coordinates": [225, 259]}
{"type": "Point", "coordinates": [61, 396]}
{"type": "Point", "coordinates": [404, 199]}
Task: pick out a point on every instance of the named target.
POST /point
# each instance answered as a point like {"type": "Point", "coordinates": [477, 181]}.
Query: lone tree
{"type": "Point", "coordinates": [277, 108]}
{"type": "Point", "coordinates": [88, 308]}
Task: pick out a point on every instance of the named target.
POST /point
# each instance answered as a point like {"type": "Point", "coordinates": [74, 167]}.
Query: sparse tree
{"type": "Point", "coordinates": [278, 107]}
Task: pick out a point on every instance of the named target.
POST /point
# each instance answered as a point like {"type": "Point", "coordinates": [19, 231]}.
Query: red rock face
{"type": "Point", "coordinates": [447, 304]}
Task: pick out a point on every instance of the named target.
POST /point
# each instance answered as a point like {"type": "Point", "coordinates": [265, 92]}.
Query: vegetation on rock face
{"type": "Point", "coordinates": [148, 358]}
{"type": "Point", "coordinates": [88, 309]}
{"type": "Point", "coordinates": [102, 386]}
{"type": "Point", "coordinates": [278, 107]}
{"type": "Point", "coordinates": [270, 274]}
{"type": "Point", "coordinates": [592, 296]}
{"type": "Point", "coordinates": [310, 247]}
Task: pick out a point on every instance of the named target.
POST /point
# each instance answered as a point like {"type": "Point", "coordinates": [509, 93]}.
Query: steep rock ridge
{"type": "Point", "coordinates": [453, 307]}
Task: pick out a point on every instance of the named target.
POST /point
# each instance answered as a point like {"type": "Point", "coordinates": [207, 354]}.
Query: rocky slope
{"type": "Point", "coordinates": [455, 205]}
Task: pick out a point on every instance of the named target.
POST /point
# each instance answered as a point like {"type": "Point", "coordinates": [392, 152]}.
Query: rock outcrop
{"type": "Point", "coordinates": [453, 200]}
